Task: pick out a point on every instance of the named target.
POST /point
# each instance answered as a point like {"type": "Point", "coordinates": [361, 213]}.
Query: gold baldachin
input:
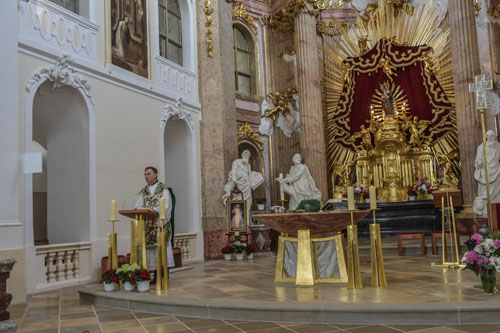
{"type": "Point", "coordinates": [245, 131]}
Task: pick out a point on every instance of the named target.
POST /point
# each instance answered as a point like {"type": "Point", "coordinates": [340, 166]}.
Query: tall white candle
{"type": "Point", "coordinates": [373, 197]}
{"type": "Point", "coordinates": [112, 213]}
{"type": "Point", "coordinates": [282, 188]}
{"type": "Point", "coordinates": [162, 208]}
{"type": "Point", "coordinates": [350, 198]}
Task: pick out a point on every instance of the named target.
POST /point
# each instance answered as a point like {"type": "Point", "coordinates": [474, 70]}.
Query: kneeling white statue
{"type": "Point", "coordinates": [299, 183]}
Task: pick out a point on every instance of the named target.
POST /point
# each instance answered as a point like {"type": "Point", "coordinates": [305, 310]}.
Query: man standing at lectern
{"type": "Point", "coordinates": [149, 197]}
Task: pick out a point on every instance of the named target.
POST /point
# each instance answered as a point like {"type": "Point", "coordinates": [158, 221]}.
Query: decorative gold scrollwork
{"type": "Point", "coordinates": [285, 21]}
{"type": "Point", "coordinates": [280, 100]}
{"type": "Point", "coordinates": [245, 131]}
{"type": "Point", "coordinates": [494, 11]}
{"type": "Point", "coordinates": [208, 24]}
{"type": "Point", "coordinates": [240, 12]}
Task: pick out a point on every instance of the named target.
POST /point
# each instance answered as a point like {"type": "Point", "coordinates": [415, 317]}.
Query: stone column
{"type": "Point", "coordinates": [218, 128]}
{"type": "Point", "coordinates": [312, 135]}
{"type": "Point", "coordinates": [6, 266]}
{"type": "Point", "coordinates": [465, 53]}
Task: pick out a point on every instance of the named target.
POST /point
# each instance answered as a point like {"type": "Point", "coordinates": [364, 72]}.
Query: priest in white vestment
{"type": "Point", "coordinates": [149, 197]}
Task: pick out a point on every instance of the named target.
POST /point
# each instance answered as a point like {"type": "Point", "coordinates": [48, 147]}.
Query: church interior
{"type": "Point", "coordinates": [250, 166]}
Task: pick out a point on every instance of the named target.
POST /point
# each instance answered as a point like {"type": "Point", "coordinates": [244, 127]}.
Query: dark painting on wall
{"type": "Point", "coordinates": [128, 35]}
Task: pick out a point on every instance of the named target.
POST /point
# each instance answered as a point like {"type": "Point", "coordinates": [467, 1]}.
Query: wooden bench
{"type": "Point", "coordinates": [411, 235]}
{"type": "Point", "coordinates": [437, 235]}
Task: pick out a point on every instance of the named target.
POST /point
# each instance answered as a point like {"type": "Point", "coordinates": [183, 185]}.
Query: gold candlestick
{"type": "Point", "coordinates": [112, 245]}
{"type": "Point", "coordinates": [162, 282]}
{"type": "Point", "coordinates": [353, 267]}
{"type": "Point", "coordinates": [378, 272]}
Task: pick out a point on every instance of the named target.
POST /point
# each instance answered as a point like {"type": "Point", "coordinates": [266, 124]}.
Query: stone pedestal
{"type": "Point", "coordinates": [261, 240]}
{"type": "Point", "coordinates": [5, 298]}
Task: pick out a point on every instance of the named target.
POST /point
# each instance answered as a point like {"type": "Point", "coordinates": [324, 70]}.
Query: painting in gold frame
{"type": "Point", "coordinates": [237, 219]}
{"type": "Point", "coordinates": [128, 35]}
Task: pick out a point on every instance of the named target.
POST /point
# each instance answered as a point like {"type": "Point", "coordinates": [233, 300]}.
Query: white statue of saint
{"type": "Point", "coordinates": [493, 151]}
{"type": "Point", "coordinates": [243, 178]}
{"type": "Point", "coordinates": [299, 183]}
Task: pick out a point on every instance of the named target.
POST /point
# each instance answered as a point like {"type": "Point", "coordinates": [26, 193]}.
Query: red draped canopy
{"type": "Point", "coordinates": [412, 74]}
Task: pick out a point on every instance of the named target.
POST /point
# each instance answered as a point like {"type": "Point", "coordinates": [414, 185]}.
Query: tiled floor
{"type": "Point", "coordinates": [411, 278]}
{"type": "Point", "coordinates": [61, 311]}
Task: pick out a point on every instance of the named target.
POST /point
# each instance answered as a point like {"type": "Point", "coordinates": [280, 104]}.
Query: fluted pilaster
{"type": "Point", "coordinates": [465, 53]}
{"type": "Point", "coordinates": [312, 137]}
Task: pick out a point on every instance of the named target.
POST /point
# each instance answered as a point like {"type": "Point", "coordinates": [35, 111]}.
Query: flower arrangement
{"type": "Point", "coordinates": [412, 192]}
{"type": "Point", "coordinates": [237, 247]}
{"type": "Point", "coordinates": [423, 187]}
{"type": "Point", "coordinates": [360, 192]}
{"type": "Point", "coordinates": [125, 271]}
{"type": "Point", "coordinates": [250, 249]}
{"type": "Point", "coordinates": [260, 201]}
{"type": "Point", "coordinates": [139, 275]}
{"type": "Point", "coordinates": [110, 276]}
{"type": "Point", "coordinates": [226, 250]}
{"type": "Point", "coordinates": [483, 258]}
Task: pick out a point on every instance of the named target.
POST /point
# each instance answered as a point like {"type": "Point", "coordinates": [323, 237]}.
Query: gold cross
{"type": "Point", "coordinates": [480, 86]}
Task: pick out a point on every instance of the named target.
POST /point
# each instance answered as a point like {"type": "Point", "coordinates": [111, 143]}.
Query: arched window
{"type": "Point", "coordinates": [71, 5]}
{"type": "Point", "coordinates": [170, 28]}
{"type": "Point", "coordinates": [242, 61]}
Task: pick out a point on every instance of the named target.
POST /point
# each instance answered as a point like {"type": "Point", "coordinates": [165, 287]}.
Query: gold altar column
{"type": "Point", "coordinates": [312, 135]}
{"type": "Point", "coordinates": [466, 65]}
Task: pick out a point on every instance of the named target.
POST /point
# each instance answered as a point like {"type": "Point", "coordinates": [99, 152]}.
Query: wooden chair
{"type": "Point", "coordinates": [411, 235]}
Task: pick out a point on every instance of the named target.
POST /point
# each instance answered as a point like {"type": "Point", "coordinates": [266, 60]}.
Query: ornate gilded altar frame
{"type": "Point", "coordinates": [278, 275]}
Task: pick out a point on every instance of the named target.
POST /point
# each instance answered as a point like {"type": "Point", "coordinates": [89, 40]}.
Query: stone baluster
{"type": "Point", "coordinates": [68, 263]}
{"type": "Point", "coordinates": [51, 267]}
{"type": "Point", "coordinates": [76, 264]}
{"type": "Point", "coordinates": [312, 137]}
{"type": "Point", "coordinates": [60, 267]}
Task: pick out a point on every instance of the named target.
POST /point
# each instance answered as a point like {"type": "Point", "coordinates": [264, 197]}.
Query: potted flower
{"type": "Point", "coordinates": [483, 258]}
{"type": "Point", "coordinates": [412, 194]}
{"type": "Point", "coordinates": [359, 192]}
{"type": "Point", "coordinates": [124, 274]}
{"type": "Point", "coordinates": [250, 249]}
{"type": "Point", "coordinates": [238, 249]}
{"type": "Point", "coordinates": [261, 203]}
{"type": "Point", "coordinates": [422, 188]}
{"type": "Point", "coordinates": [227, 252]}
{"type": "Point", "coordinates": [110, 279]}
{"type": "Point", "coordinates": [141, 278]}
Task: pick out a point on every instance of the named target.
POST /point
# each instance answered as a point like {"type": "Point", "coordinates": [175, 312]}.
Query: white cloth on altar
{"type": "Point", "coordinates": [328, 266]}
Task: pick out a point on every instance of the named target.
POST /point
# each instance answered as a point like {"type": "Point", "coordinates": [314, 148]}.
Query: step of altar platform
{"type": "Point", "coordinates": [417, 294]}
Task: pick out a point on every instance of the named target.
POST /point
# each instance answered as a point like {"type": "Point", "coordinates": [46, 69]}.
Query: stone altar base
{"type": "Point", "coordinates": [417, 293]}
{"type": "Point", "coordinates": [394, 217]}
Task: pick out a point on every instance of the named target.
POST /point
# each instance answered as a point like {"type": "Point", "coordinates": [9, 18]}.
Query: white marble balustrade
{"type": "Point", "coordinates": [187, 244]}
{"type": "Point", "coordinates": [62, 264]}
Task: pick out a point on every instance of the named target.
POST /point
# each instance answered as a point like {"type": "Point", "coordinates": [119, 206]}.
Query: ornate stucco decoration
{"type": "Point", "coordinates": [281, 109]}
{"type": "Point", "coordinates": [240, 12]}
{"type": "Point", "coordinates": [290, 10]}
{"type": "Point", "coordinates": [494, 11]}
{"type": "Point", "coordinates": [61, 75]}
{"type": "Point", "coordinates": [477, 7]}
{"type": "Point", "coordinates": [331, 28]}
{"type": "Point", "coordinates": [175, 111]}
{"type": "Point", "coordinates": [208, 24]}
{"type": "Point", "coordinates": [245, 131]}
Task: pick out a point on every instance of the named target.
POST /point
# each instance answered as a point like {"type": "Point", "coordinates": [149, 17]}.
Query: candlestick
{"type": "Point", "coordinates": [373, 198]}
{"type": "Point", "coordinates": [282, 188]}
{"type": "Point", "coordinates": [350, 198]}
{"type": "Point", "coordinates": [162, 209]}
{"type": "Point", "coordinates": [112, 214]}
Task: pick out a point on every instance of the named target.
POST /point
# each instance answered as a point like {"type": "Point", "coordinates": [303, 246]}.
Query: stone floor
{"type": "Point", "coordinates": [61, 311]}
{"type": "Point", "coordinates": [411, 278]}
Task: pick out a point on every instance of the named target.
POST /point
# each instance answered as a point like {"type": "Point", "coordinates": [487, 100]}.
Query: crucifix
{"type": "Point", "coordinates": [479, 87]}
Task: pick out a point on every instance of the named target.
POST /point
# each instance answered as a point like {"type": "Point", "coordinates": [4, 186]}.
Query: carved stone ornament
{"type": "Point", "coordinates": [240, 12]}
{"type": "Point", "coordinates": [61, 75]}
{"type": "Point", "coordinates": [176, 112]}
{"type": "Point", "coordinates": [245, 131]}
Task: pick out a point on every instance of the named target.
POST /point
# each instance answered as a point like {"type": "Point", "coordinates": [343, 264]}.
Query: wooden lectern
{"type": "Point", "coordinates": [138, 232]}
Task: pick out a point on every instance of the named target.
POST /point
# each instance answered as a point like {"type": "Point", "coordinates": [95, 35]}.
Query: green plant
{"type": "Point", "coordinates": [250, 249]}
{"type": "Point", "coordinates": [495, 234]}
{"type": "Point", "coordinates": [237, 248]}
